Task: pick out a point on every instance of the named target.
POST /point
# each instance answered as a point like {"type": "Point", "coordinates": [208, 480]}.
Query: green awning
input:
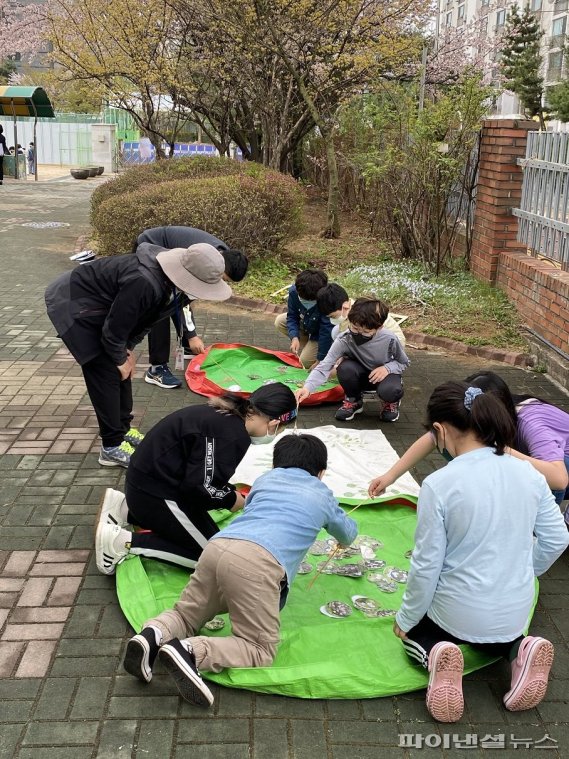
{"type": "Point", "coordinates": [25, 101]}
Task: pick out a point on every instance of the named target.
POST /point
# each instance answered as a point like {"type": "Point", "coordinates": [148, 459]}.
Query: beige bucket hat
{"type": "Point", "coordinates": [197, 271]}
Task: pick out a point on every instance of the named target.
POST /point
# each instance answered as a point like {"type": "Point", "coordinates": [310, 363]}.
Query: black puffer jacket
{"type": "Point", "coordinates": [109, 305]}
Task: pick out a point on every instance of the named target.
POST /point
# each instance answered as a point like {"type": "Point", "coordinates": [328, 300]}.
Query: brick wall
{"type": "Point", "coordinates": [540, 292]}
{"type": "Point", "coordinates": [538, 289]}
{"type": "Point", "coordinates": [502, 142]}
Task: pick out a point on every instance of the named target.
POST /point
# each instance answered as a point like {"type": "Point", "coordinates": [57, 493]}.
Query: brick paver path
{"type": "Point", "coordinates": [63, 693]}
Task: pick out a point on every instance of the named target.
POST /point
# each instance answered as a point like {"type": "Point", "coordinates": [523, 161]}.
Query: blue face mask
{"type": "Point", "coordinates": [308, 304]}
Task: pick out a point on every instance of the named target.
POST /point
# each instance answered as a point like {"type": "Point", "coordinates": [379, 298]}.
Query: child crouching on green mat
{"type": "Point", "coordinates": [245, 570]}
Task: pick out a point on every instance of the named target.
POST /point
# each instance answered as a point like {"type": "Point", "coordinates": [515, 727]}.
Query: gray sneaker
{"type": "Point", "coordinates": [117, 455]}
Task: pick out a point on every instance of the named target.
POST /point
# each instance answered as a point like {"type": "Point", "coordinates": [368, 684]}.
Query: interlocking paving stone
{"type": "Point", "coordinates": [52, 485]}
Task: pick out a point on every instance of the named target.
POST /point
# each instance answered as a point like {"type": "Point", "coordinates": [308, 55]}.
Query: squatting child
{"type": "Point", "coordinates": [334, 302]}
{"type": "Point", "coordinates": [309, 331]}
{"type": "Point", "coordinates": [246, 570]}
{"type": "Point", "coordinates": [372, 358]}
{"type": "Point", "coordinates": [487, 525]}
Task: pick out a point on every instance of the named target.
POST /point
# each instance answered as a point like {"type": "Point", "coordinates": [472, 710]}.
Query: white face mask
{"type": "Point", "coordinates": [263, 439]}
{"type": "Point", "coordinates": [337, 319]}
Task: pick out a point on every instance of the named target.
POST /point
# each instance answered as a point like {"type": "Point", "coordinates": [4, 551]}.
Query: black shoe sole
{"type": "Point", "coordinates": [137, 655]}
{"type": "Point", "coordinates": [190, 685]}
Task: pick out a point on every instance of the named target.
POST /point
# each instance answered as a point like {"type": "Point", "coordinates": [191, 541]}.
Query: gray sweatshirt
{"type": "Point", "coordinates": [384, 349]}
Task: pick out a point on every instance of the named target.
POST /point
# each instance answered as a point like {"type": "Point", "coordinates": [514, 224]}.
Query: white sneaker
{"type": "Point", "coordinates": [113, 509]}
{"type": "Point", "coordinates": [112, 545]}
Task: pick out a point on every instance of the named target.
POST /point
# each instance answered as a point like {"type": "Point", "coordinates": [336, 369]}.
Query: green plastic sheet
{"type": "Point", "coordinates": [319, 657]}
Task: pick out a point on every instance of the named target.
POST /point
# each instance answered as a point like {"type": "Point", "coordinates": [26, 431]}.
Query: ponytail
{"type": "Point", "coordinates": [469, 409]}
{"type": "Point", "coordinates": [231, 404]}
{"type": "Point", "coordinates": [275, 401]}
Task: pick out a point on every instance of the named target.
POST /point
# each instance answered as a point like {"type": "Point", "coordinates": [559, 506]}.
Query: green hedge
{"type": "Point", "coordinates": [256, 214]}
{"type": "Point", "coordinates": [138, 177]}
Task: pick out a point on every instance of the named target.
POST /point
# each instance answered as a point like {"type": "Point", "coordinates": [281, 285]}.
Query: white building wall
{"type": "Point", "coordinates": [553, 17]}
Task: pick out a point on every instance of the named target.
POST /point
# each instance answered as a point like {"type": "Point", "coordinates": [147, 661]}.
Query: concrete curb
{"type": "Point", "coordinates": [415, 339]}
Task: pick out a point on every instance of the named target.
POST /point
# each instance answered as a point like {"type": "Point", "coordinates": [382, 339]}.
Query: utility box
{"type": "Point", "coordinates": [103, 140]}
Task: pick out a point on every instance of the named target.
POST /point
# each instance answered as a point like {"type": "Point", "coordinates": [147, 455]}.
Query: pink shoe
{"type": "Point", "coordinates": [530, 672]}
{"type": "Point", "coordinates": [444, 694]}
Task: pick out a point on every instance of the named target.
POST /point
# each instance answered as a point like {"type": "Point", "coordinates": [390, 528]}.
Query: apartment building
{"type": "Point", "coordinates": [552, 15]}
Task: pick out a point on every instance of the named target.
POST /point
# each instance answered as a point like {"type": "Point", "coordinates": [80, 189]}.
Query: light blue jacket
{"type": "Point", "coordinates": [284, 512]}
{"type": "Point", "coordinates": [475, 557]}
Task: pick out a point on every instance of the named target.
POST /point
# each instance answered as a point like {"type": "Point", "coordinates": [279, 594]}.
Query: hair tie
{"type": "Point", "coordinates": [470, 394]}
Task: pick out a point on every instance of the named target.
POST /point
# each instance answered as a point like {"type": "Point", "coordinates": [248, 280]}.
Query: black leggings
{"type": "Point", "coordinates": [180, 530]}
{"type": "Point", "coordinates": [425, 635]}
{"type": "Point", "coordinates": [354, 378]}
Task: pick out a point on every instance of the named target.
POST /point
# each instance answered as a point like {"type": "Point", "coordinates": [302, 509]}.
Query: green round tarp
{"type": "Point", "coordinates": [318, 657]}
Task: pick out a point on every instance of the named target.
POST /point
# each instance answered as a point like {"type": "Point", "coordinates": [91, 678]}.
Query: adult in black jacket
{"type": "Point", "coordinates": [103, 309]}
{"type": "Point", "coordinates": [180, 472]}
{"type": "Point", "coordinates": [159, 336]}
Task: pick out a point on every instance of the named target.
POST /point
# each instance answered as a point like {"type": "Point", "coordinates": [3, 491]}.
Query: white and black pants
{"type": "Point", "coordinates": [426, 634]}
{"type": "Point", "coordinates": [354, 378]}
{"type": "Point", "coordinates": [179, 530]}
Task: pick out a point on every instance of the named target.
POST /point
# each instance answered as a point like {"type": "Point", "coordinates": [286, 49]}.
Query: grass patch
{"type": "Point", "coordinates": [456, 305]}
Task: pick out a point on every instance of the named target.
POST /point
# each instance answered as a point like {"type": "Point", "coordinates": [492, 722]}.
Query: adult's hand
{"type": "Point", "coordinates": [127, 369]}
{"type": "Point", "coordinates": [378, 374]}
{"type": "Point", "coordinates": [196, 345]}
{"type": "Point", "coordinates": [378, 485]}
{"type": "Point", "coordinates": [301, 394]}
{"type": "Point", "coordinates": [295, 345]}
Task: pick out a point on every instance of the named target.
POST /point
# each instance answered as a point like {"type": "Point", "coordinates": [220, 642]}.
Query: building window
{"type": "Point", "coordinates": [535, 5]}
{"type": "Point", "coordinates": [560, 6]}
{"type": "Point", "coordinates": [461, 12]}
{"type": "Point", "coordinates": [484, 25]}
{"type": "Point", "coordinates": [485, 2]}
{"type": "Point", "coordinates": [500, 19]}
{"type": "Point", "coordinates": [449, 19]}
{"type": "Point", "coordinates": [554, 66]}
{"type": "Point", "coordinates": [558, 28]}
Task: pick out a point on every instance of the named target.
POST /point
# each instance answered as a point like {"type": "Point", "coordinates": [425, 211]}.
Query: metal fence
{"type": "Point", "coordinates": [543, 214]}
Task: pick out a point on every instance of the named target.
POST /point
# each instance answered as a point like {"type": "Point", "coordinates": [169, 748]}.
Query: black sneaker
{"type": "Point", "coordinates": [141, 653]}
{"type": "Point", "coordinates": [179, 660]}
{"type": "Point", "coordinates": [390, 412]}
{"type": "Point", "coordinates": [349, 408]}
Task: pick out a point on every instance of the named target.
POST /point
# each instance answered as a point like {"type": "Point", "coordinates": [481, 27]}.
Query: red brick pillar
{"type": "Point", "coordinates": [502, 142]}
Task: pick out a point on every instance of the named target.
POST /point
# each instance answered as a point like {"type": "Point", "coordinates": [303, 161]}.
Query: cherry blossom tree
{"type": "Point", "coordinates": [21, 28]}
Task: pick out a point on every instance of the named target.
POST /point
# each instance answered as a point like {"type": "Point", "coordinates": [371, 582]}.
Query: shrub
{"type": "Point", "coordinates": [138, 177]}
{"type": "Point", "coordinates": [254, 214]}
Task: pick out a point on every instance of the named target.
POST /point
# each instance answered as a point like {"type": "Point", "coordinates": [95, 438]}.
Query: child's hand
{"type": "Point", "coordinates": [378, 375]}
{"type": "Point", "coordinates": [239, 502]}
{"type": "Point", "coordinates": [295, 345]}
{"type": "Point", "coordinates": [399, 632]}
{"type": "Point", "coordinates": [378, 485]}
{"type": "Point", "coordinates": [301, 394]}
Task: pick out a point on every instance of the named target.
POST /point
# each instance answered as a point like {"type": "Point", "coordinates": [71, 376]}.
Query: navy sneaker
{"type": "Point", "coordinates": [390, 412]}
{"type": "Point", "coordinates": [117, 455]}
{"type": "Point", "coordinates": [141, 653]}
{"type": "Point", "coordinates": [178, 658]}
{"type": "Point", "coordinates": [163, 377]}
{"type": "Point", "coordinates": [349, 408]}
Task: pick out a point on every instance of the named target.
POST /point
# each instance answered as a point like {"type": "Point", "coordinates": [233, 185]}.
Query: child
{"type": "Point", "coordinates": [333, 302]}
{"type": "Point", "coordinates": [309, 331]}
{"type": "Point", "coordinates": [246, 570]}
{"type": "Point", "coordinates": [179, 473]}
{"type": "Point", "coordinates": [372, 358]}
{"type": "Point", "coordinates": [542, 432]}
{"type": "Point", "coordinates": [475, 557]}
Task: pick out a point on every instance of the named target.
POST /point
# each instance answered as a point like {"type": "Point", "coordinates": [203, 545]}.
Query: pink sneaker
{"type": "Point", "coordinates": [530, 672]}
{"type": "Point", "coordinates": [444, 694]}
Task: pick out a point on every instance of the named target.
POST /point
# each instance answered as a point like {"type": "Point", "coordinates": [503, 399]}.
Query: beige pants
{"type": "Point", "coordinates": [308, 348]}
{"type": "Point", "coordinates": [233, 576]}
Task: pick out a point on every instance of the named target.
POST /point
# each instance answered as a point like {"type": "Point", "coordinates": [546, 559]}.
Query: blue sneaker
{"type": "Point", "coordinates": [163, 377]}
{"type": "Point", "coordinates": [134, 437]}
{"type": "Point", "coordinates": [117, 455]}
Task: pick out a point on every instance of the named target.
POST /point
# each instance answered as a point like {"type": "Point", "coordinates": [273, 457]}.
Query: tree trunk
{"type": "Point", "coordinates": [332, 229]}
